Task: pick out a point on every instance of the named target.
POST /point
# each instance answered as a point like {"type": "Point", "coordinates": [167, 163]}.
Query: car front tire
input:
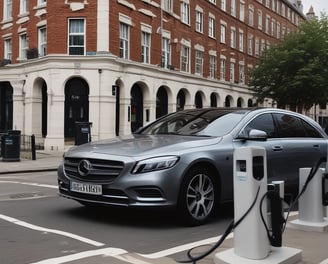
{"type": "Point", "coordinates": [198, 197]}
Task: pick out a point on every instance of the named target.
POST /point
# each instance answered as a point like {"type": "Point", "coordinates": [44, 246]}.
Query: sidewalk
{"type": "Point", "coordinates": [45, 161]}
{"type": "Point", "coordinates": [314, 245]}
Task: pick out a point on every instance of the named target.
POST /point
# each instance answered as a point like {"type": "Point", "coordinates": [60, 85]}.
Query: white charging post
{"type": "Point", "coordinates": [251, 243]}
{"type": "Point", "coordinates": [250, 174]}
{"type": "Point", "coordinates": [310, 207]}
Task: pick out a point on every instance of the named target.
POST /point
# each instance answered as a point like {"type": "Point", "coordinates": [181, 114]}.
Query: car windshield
{"type": "Point", "coordinates": [213, 122]}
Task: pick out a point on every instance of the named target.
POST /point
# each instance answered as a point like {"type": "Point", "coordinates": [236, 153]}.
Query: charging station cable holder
{"type": "Point", "coordinates": [311, 203]}
{"type": "Point", "coordinates": [251, 243]}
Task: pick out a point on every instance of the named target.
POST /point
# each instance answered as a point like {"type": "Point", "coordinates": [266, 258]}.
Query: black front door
{"type": "Point", "coordinates": [136, 108]}
{"type": "Point", "coordinates": [161, 102]}
{"type": "Point", "coordinates": [76, 105]}
{"type": "Point", "coordinates": [6, 107]}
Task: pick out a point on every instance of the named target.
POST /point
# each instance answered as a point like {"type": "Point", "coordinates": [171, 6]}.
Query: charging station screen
{"type": "Point", "coordinates": [258, 167]}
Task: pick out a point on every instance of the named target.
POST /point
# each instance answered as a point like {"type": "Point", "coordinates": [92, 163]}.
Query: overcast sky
{"type": "Point", "coordinates": [318, 5]}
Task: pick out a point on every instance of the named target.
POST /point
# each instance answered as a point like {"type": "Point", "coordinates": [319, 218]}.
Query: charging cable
{"type": "Point", "coordinates": [312, 172]}
{"type": "Point", "coordinates": [274, 235]}
{"type": "Point", "coordinates": [193, 259]}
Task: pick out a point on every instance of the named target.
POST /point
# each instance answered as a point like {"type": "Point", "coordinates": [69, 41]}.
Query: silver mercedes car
{"type": "Point", "coordinates": [184, 160]}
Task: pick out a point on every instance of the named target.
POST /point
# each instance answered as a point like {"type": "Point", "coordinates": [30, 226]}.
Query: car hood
{"type": "Point", "coordinates": [137, 145]}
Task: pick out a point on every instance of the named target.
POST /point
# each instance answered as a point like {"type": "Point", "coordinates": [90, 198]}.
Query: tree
{"type": "Point", "coordinates": [294, 72]}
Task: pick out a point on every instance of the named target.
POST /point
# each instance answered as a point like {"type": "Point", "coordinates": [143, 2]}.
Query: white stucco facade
{"type": "Point", "coordinates": [101, 72]}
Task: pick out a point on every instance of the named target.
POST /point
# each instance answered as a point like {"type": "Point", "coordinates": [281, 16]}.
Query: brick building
{"type": "Point", "coordinates": [120, 64]}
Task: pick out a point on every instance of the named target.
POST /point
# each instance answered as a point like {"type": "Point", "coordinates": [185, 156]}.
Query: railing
{"type": "Point", "coordinates": [29, 147]}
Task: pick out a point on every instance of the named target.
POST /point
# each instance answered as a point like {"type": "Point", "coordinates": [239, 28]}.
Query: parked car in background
{"type": "Point", "coordinates": [184, 160]}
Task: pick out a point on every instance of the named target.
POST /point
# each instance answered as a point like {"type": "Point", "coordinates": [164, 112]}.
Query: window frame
{"type": "Point", "coordinates": [211, 27]}
{"type": "Point", "coordinates": [7, 9]}
{"type": "Point", "coordinates": [223, 64]}
{"type": "Point", "coordinates": [199, 62]}
{"type": "Point", "coordinates": [233, 8]}
{"type": "Point", "coordinates": [232, 72]}
{"type": "Point", "coordinates": [42, 41]}
{"type": "Point", "coordinates": [23, 46]}
{"type": "Point", "coordinates": [212, 66]}
{"type": "Point", "coordinates": [124, 40]}
{"type": "Point", "coordinates": [23, 7]}
{"type": "Point", "coordinates": [185, 12]}
{"type": "Point", "coordinates": [166, 52]}
{"type": "Point", "coordinates": [72, 34]}
{"type": "Point", "coordinates": [241, 41]}
{"type": "Point", "coordinates": [8, 49]}
{"type": "Point", "coordinates": [167, 5]}
{"type": "Point", "coordinates": [185, 59]}
{"type": "Point", "coordinates": [233, 37]}
{"type": "Point", "coordinates": [223, 5]}
{"type": "Point", "coordinates": [145, 47]}
{"type": "Point", "coordinates": [223, 32]}
{"type": "Point", "coordinates": [199, 23]}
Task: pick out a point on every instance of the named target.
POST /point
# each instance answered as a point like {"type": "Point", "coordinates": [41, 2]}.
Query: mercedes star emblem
{"type": "Point", "coordinates": [84, 167]}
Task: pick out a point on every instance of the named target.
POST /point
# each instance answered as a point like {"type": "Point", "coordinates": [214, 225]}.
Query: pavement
{"type": "Point", "coordinates": [312, 243]}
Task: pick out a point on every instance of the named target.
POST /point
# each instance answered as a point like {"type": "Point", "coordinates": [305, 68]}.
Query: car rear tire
{"type": "Point", "coordinates": [198, 197]}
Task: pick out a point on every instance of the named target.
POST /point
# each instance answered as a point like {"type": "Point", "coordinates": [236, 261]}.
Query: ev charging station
{"type": "Point", "coordinates": [251, 241]}
{"type": "Point", "coordinates": [313, 203]}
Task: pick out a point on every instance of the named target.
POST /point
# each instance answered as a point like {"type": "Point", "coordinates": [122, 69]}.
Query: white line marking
{"type": "Point", "coordinates": [32, 184]}
{"type": "Point", "coordinates": [130, 259]}
{"type": "Point", "coordinates": [184, 247]}
{"type": "Point", "coordinates": [110, 252]}
{"type": "Point", "coordinates": [188, 246]}
{"type": "Point", "coordinates": [47, 230]}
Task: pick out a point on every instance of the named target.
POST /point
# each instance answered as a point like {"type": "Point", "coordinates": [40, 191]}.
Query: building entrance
{"type": "Point", "coordinates": [6, 107]}
{"type": "Point", "coordinates": [76, 105]}
{"type": "Point", "coordinates": [136, 108]}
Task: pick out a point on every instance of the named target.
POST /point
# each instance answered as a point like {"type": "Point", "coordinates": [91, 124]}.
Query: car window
{"type": "Point", "coordinates": [223, 125]}
{"type": "Point", "coordinates": [290, 126]}
{"type": "Point", "coordinates": [213, 122]}
{"type": "Point", "coordinates": [310, 130]}
{"type": "Point", "coordinates": [263, 122]}
{"type": "Point", "coordinates": [167, 125]}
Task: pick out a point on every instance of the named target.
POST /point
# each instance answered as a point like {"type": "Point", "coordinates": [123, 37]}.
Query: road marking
{"type": "Point", "coordinates": [32, 184]}
{"type": "Point", "coordinates": [130, 259]}
{"type": "Point", "coordinates": [53, 231]}
{"type": "Point", "coordinates": [108, 252]}
{"type": "Point", "coordinates": [177, 249]}
{"type": "Point", "coordinates": [184, 247]}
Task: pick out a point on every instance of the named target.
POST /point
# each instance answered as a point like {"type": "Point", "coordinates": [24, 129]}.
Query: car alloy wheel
{"type": "Point", "coordinates": [198, 197]}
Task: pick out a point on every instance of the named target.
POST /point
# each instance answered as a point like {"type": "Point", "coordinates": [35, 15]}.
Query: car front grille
{"type": "Point", "coordinates": [104, 171]}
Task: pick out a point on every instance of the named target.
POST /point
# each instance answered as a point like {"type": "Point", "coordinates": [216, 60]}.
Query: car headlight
{"type": "Point", "coordinates": [153, 164]}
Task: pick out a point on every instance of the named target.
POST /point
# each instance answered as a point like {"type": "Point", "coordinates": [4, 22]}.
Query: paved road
{"type": "Point", "coordinates": [37, 226]}
{"type": "Point", "coordinates": [40, 225]}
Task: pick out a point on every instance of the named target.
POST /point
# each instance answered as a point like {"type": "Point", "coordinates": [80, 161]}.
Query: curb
{"type": "Point", "coordinates": [27, 171]}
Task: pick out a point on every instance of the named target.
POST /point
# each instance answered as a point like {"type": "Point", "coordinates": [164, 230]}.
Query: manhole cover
{"type": "Point", "coordinates": [26, 195]}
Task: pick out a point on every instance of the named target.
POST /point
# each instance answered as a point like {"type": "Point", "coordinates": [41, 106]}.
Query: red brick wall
{"type": "Point", "coordinates": [57, 25]}
{"type": "Point", "coordinates": [58, 14]}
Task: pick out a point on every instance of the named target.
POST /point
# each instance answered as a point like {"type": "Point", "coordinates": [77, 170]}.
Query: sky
{"type": "Point", "coordinates": [318, 5]}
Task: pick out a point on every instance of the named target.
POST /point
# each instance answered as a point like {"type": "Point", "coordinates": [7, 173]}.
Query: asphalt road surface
{"type": "Point", "coordinates": [38, 226]}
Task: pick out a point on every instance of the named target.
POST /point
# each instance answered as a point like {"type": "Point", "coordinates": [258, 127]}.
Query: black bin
{"type": "Point", "coordinates": [10, 145]}
{"type": "Point", "coordinates": [82, 132]}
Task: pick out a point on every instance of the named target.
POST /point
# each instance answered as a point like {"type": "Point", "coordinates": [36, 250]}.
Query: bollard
{"type": "Point", "coordinates": [33, 147]}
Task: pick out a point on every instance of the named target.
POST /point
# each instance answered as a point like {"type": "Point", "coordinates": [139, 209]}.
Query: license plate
{"type": "Point", "coordinates": [86, 188]}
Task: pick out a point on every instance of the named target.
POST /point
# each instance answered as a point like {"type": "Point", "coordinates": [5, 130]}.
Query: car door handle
{"type": "Point", "coordinates": [277, 148]}
{"type": "Point", "coordinates": [316, 146]}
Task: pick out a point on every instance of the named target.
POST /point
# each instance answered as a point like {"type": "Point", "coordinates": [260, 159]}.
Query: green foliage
{"type": "Point", "coordinates": [294, 72]}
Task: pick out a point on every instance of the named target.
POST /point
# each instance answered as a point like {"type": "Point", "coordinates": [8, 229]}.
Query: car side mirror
{"type": "Point", "coordinates": [253, 134]}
